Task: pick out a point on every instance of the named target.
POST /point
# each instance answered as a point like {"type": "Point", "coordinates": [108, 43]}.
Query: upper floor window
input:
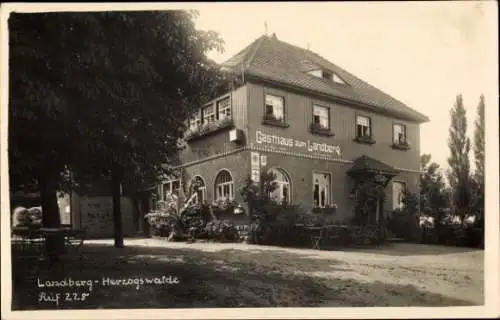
{"type": "Point", "coordinates": [363, 127]}
{"type": "Point", "coordinates": [195, 121]}
{"type": "Point", "coordinates": [224, 108]}
{"type": "Point", "coordinates": [275, 108]}
{"type": "Point", "coordinates": [209, 113]}
{"type": "Point", "coordinates": [224, 186]}
{"type": "Point", "coordinates": [321, 117]}
{"type": "Point", "coordinates": [398, 192]}
{"type": "Point", "coordinates": [399, 134]}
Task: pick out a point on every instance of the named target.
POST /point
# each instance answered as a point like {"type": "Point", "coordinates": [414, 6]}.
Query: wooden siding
{"type": "Point", "coordinates": [298, 115]}
{"type": "Point", "coordinates": [218, 143]}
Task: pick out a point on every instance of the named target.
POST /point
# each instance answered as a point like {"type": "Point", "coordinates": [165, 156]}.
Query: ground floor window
{"type": "Point", "coordinates": [201, 194]}
{"type": "Point", "coordinates": [170, 187]}
{"type": "Point", "coordinates": [398, 190]}
{"type": "Point", "coordinates": [282, 193]}
{"type": "Point", "coordinates": [321, 190]}
{"type": "Point", "coordinates": [224, 186]}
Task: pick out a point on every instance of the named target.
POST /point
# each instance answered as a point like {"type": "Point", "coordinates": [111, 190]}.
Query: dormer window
{"type": "Point", "coordinates": [326, 74]}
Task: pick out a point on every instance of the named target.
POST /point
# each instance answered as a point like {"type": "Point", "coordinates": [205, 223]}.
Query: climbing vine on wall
{"type": "Point", "coordinates": [366, 195]}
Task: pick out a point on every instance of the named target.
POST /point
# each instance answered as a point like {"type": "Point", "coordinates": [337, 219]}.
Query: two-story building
{"type": "Point", "coordinates": [317, 126]}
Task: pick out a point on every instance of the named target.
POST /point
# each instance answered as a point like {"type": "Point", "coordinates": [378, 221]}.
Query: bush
{"type": "Point", "coordinates": [405, 225]}
{"type": "Point", "coordinates": [221, 230]}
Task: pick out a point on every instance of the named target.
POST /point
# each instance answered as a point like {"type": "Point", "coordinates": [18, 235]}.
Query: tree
{"type": "Point", "coordinates": [433, 198]}
{"type": "Point", "coordinates": [459, 173]}
{"type": "Point", "coordinates": [118, 99]}
{"type": "Point", "coordinates": [479, 145]}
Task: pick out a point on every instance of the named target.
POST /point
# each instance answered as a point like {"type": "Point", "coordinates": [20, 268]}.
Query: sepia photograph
{"type": "Point", "coordinates": [249, 156]}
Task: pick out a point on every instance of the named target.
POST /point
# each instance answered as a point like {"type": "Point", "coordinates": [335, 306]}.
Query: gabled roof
{"type": "Point", "coordinates": [270, 59]}
{"type": "Point", "coordinates": [365, 164]}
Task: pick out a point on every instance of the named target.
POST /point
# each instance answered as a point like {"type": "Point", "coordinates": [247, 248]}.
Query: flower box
{"type": "Point", "coordinates": [273, 121]}
{"type": "Point", "coordinates": [319, 129]}
{"type": "Point", "coordinates": [401, 145]}
{"type": "Point", "coordinates": [365, 139]}
{"type": "Point", "coordinates": [209, 128]}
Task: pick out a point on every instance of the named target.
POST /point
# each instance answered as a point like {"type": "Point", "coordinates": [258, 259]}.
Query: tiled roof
{"type": "Point", "coordinates": [365, 163]}
{"type": "Point", "coordinates": [271, 59]}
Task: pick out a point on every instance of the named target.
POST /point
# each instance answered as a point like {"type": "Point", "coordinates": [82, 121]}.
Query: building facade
{"type": "Point", "coordinates": [313, 124]}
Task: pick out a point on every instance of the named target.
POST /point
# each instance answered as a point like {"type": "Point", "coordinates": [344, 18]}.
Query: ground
{"type": "Point", "coordinates": [240, 275]}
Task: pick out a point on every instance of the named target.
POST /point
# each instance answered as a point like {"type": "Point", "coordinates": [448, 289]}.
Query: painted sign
{"type": "Point", "coordinates": [299, 145]}
{"type": "Point", "coordinates": [255, 175]}
{"type": "Point", "coordinates": [255, 159]}
{"type": "Point", "coordinates": [263, 160]}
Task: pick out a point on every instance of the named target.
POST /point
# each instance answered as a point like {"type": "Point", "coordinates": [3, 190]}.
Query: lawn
{"type": "Point", "coordinates": [239, 275]}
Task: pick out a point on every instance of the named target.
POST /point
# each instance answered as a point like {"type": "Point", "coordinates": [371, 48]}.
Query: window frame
{"type": "Point", "coordinates": [328, 115]}
{"type": "Point", "coordinates": [213, 114]}
{"type": "Point", "coordinates": [203, 189]}
{"type": "Point", "coordinates": [273, 120]}
{"type": "Point", "coordinates": [370, 127]}
{"type": "Point", "coordinates": [218, 196]}
{"type": "Point", "coordinates": [228, 107]}
{"type": "Point", "coordinates": [288, 182]}
{"type": "Point", "coordinates": [329, 195]}
{"type": "Point", "coordinates": [404, 185]}
{"type": "Point", "coordinates": [196, 120]}
{"type": "Point", "coordinates": [170, 189]}
{"type": "Point", "coordinates": [404, 129]}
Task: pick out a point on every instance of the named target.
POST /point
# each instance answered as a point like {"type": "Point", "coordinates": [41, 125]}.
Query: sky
{"type": "Point", "coordinates": [422, 53]}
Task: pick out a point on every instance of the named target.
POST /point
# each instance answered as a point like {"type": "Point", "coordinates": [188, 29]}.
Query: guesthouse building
{"type": "Point", "coordinates": [319, 128]}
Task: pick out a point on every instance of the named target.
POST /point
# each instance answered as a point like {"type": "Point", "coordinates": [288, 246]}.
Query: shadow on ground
{"type": "Point", "coordinates": [226, 278]}
{"type": "Point", "coordinates": [408, 249]}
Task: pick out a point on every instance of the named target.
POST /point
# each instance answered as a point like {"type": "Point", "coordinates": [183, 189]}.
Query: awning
{"type": "Point", "coordinates": [365, 164]}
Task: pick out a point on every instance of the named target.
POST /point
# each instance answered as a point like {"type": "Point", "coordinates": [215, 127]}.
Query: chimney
{"type": "Point", "coordinates": [274, 36]}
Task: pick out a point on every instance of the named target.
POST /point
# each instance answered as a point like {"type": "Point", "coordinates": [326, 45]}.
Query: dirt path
{"type": "Point", "coordinates": [451, 272]}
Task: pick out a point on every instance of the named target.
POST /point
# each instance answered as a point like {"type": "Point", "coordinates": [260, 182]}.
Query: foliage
{"type": "Point", "coordinates": [434, 199]}
{"type": "Point", "coordinates": [27, 217]}
{"type": "Point", "coordinates": [478, 180]}
{"type": "Point", "coordinates": [367, 194]}
{"type": "Point", "coordinates": [123, 94]}
{"type": "Point", "coordinates": [459, 144]}
{"type": "Point", "coordinates": [221, 230]}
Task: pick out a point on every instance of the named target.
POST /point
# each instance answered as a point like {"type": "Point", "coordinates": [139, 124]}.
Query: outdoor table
{"type": "Point", "coordinates": [34, 238]}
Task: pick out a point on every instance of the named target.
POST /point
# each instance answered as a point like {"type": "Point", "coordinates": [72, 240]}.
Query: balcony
{"type": "Point", "coordinates": [209, 128]}
{"type": "Point", "coordinates": [366, 139]}
{"type": "Point", "coordinates": [318, 129]}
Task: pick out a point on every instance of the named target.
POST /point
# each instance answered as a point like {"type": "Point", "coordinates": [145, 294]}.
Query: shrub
{"type": "Point", "coordinates": [221, 230]}
{"type": "Point", "coordinates": [403, 224]}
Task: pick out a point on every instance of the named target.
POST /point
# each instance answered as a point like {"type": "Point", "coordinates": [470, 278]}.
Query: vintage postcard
{"type": "Point", "coordinates": [249, 160]}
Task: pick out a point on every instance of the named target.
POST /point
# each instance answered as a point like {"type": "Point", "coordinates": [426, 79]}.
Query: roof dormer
{"type": "Point", "coordinates": [326, 74]}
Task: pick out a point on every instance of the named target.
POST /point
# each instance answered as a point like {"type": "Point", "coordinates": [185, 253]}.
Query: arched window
{"type": "Point", "coordinates": [282, 193]}
{"type": "Point", "coordinates": [202, 189]}
{"type": "Point", "coordinates": [224, 187]}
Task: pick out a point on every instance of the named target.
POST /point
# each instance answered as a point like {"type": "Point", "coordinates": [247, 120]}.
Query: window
{"type": "Point", "coordinates": [282, 192]}
{"type": "Point", "coordinates": [398, 191]}
{"type": "Point", "coordinates": [337, 79]}
{"type": "Point", "coordinates": [275, 108]}
{"type": "Point", "coordinates": [170, 187]}
{"type": "Point", "coordinates": [321, 116]}
{"type": "Point", "coordinates": [209, 114]}
{"type": "Point", "coordinates": [224, 108]}
{"type": "Point", "coordinates": [399, 134]}
{"type": "Point", "coordinates": [321, 190]}
{"type": "Point", "coordinates": [195, 121]}
{"type": "Point", "coordinates": [363, 126]}
{"type": "Point", "coordinates": [224, 188]}
{"type": "Point", "coordinates": [202, 190]}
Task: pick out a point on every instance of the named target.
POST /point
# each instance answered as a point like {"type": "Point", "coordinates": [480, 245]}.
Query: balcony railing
{"type": "Point", "coordinates": [209, 128]}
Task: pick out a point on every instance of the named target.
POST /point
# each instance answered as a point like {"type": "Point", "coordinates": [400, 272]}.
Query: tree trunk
{"type": "Point", "coordinates": [54, 244]}
{"type": "Point", "coordinates": [116, 179]}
